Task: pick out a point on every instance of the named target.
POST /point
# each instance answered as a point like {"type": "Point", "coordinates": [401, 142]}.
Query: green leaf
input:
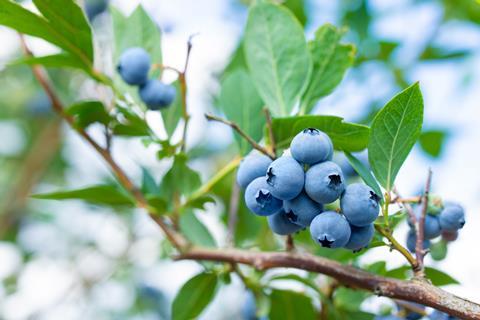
{"type": "Point", "coordinates": [194, 296]}
{"type": "Point", "coordinates": [179, 180]}
{"type": "Point", "coordinates": [364, 173]}
{"type": "Point", "coordinates": [60, 60]}
{"type": "Point", "coordinates": [349, 299]}
{"type": "Point", "coordinates": [108, 195]}
{"type": "Point", "coordinates": [399, 273]}
{"type": "Point", "coordinates": [439, 278]}
{"type": "Point", "coordinates": [277, 56]}
{"type": "Point", "coordinates": [394, 131]}
{"type": "Point", "coordinates": [432, 142]}
{"type": "Point", "coordinates": [67, 18]}
{"type": "Point", "coordinates": [86, 113]}
{"type": "Point", "coordinates": [195, 230]}
{"type": "Point", "coordinates": [298, 9]}
{"type": "Point", "coordinates": [295, 277]}
{"type": "Point", "coordinates": [438, 250]}
{"type": "Point", "coordinates": [345, 136]}
{"type": "Point", "coordinates": [241, 104]}
{"type": "Point", "coordinates": [290, 305]}
{"type": "Point", "coordinates": [136, 30]}
{"type": "Point", "coordinates": [149, 185]}
{"type": "Point", "coordinates": [24, 21]}
{"type": "Point", "coordinates": [131, 124]}
{"type": "Point", "coordinates": [173, 113]}
{"type": "Point", "coordinates": [330, 61]}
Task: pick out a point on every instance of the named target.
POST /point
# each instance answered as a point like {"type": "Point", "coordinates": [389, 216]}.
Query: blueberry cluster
{"type": "Point", "coordinates": [134, 66]}
{"type": "Point", "coordinates": [292, 191]}
{"type": "Point", "coordinates": [440, 220]}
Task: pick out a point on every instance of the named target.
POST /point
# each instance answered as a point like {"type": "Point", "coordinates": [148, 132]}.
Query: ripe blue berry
{"type": "Point", "coordinates": [412, 241]}
{"type": "Point", "coordinates": [252, 166]}
{"type": "Point", "coordinates": [438, 315]}
{"type": "Point", "coordinates": [359, 204]}
{"type": "Point", "coordinates": [311, 146]}
{"type": "Point", "coordinates": [389, 317]}
{"type": "Point", "coordinates": [281, 224]}
{"type": "Point", "coordinates": [156, 94]}
{"type": "Point", "coordinates": [301, 210]}
{"type": "Point", "coordinates": [360, 237]}
{"type": "Point", "coordinates": [95, 7]}
{"type": "Point", "coordinates": [330, 229]}
{"type": "Point", "coordinates": [452, 217]}
{"type": "Point", "coordinates": [134, 65]}
{"type": "Point", "coordinates": [324, 182]}
{"type": "Point", "coordinates": [286, 178]}
{"type": "Point", "coordinates": [432, 228]}
{"type": "Point", "coordinates": [259, 199]}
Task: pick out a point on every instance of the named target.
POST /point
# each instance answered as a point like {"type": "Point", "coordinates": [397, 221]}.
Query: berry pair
{"type": "Point", "coordinates": [134, 66]}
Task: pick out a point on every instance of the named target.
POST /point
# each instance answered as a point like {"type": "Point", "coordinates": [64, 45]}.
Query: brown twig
{"type": "Point", "coordinates": [271, 136]}
{"type": "Point", "coordinates": [175, 238]}
{"type": "Point", "coordinates": [416, 290]}
{"type": "Point", "coordinates": [235, 127]}
{"type": "Point", "coordinates": [183, 88]}
{"type": "Point", "coordinates": [419, 250]}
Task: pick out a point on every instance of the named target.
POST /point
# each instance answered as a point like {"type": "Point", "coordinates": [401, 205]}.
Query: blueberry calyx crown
{"type": "Point", "coordinates": [374, 197]}
{"type": "Point", "coordinates": [335, 179]}
{"type": "Point", "coordinates": [325, 242]}
{"type": "Point", "coordinates": [292, 216]}
{"type": "Point", "coordinates": [311, 131]}
{"type": "Point", "coordinates": [263, 197]}
{"type": "Point", "coordinates": [270, 177]}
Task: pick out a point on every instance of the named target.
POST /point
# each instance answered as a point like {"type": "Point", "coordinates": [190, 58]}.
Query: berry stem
{"type": "Point", "coordinates": [235, 127]}
{"type": "Point", "coordinates": [183, 90]}
{"type": "Point", "coordinates": [289, 244]}
{"type": "Point", "coordinates": [397, 246]}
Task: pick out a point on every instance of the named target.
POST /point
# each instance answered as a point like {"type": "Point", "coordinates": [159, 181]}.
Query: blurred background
{"type": "Point", "coordinates": [69, 260]}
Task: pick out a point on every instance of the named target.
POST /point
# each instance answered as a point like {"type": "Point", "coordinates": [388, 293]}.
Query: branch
{"type": "Point", "coordinates": [183, 88]}
{"type": "Point", "coordinates": [175, 238]}
{"type": "Point", "coordinates": [416, 290]}
{"type": "Point", "coordinates": [235, 127]}
{"type": "Point", "coordinates": [419, 250]}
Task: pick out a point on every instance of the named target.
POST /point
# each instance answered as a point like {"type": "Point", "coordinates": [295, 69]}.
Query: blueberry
{"type": "Point", "coordinates": [286, 178]}
{"type": "Point", "coordinates": [95, 7]}
{"type": "Point", "coordinates": [311, 146]}
{"type": "Point", "coordinates": [301, 210]}
{"type": "Point", "coordinates": [359, 204]}
{"type": "Point", "coordinates": [259, 199]}
{"type": "Point", "coordinates": [452, 217]}
{"type": "Point", "coordinates": [412, 241]}
{"type": "Point", "coordinates": [414, 311]}
{"type": "Point", "coordinates": [324, 182]}
{"type": "Point", "coordinates": [252, 166]}
{"type": "Point", "coordinates": [330, 229]}
{"type": "Point", "coordinates": [449, 235]}
{"type": "Point", "coordinates": [156, 94]}
{"type": "Point", "coordinates": [389, 317]}
{"type": "Point", "coordinates": [249, 309]}
{"type": "Point", "coordinates": [360, 237]}
{"type": "Point", "coordinates": [431, 228]}
{"type": "Point", "coordinates": [438, 315]}
{"type": "Point", "coordinates": [134, 65]}
{"type": "Point", "coordinates": [281, 224]}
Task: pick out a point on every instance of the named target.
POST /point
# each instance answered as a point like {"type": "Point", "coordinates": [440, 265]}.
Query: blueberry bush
{"type": "Point", "coordinates": [299, 189]}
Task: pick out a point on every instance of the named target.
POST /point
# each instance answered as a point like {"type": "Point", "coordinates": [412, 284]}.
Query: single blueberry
{"type": "Point", "coordinates": [324, 182]}
{"type": "Point", "coordinates": [389, 317]}
{"type": "Point", "coordinates": [259, 199]}
{"type": "Point", "coordinates": [156, 94]}
{"type": "Point", "coordinates": [452, 217]}
{"type": "Point", "coordinates": [311, 146]}
{"type": "Point", "coordinates": [281, 224]}
{"type": "Point", "coordinates": [95, 7]}
{"type": "Point", "coordinates": [133, 66]}
{"type": "Point", "coordinates": [286, 178]}
{"type": "Point", "coordinates": [412, 241]}
{"type": "Point", "coordinates": [252, 166]}
{"type": "Point", "coordinates": [449, 236]}
{"type": "Point", "coordinates": [431, 228]}
{"type": "Point", "coordinates": [438, 315]}
{"type": "Point", "coordinates": [249, 309]}
{"type": "Point", "coordinates": [330, 229]}
{"type": "Point", "coordinates": [360, 237]}
{"type": "Point", "coordinates": [360, 204]}
{"type": "Point", "coordinates": [301, 209]}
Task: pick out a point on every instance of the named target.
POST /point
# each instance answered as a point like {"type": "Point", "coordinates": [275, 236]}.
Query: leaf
{"type": "Point", "coordinates": [24, 21]}
{"type": "Point", "coordinates": [149, 185]}
{"type": "Point", "coordinates": [130, 125]}
{"type": "Point", "coordinates": [432, 142]}
{"type": "Point", "coordinates": [399, 273]}
{"type": "Point", "coordinates": [60, 60]}
{"type": "Point", "coordinates": [173, 113]}
{"type": "Point", "coordinates": [179, 180]}
{"type": "Point", "coordinates": [277, 56]}
{"type": "Point", "coordinates": [108, 195]}
{"type": "Point", "coordinates": [394, 131]}
{"type": "Point", "coordinates": [349, 299]}
{"type": "Point", "coordinates": [295, 277]}
{"type": "Point", "coordinates": [364, 173]}
{"type": "Point", "coordinates": [86, 113]}
{"type": "Point", "coordinates": [194, 296]}
{"type": "Point", "coordinates": [330, 61]}
{"type": "Point", "coordinates": [290, 305]}
{"type": "Point", "coordinates": [195, 230]}
{"type": "Point", "coordinates": [297, 7]}
{"type": "Point", "coordinates": [345, 136]}
{"type": "Point", "coordinates": [67, 18]}
{"type": "Point", "coordinates": [439, 278]}
{"type": "Point", "coordinates": [241, 104]}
